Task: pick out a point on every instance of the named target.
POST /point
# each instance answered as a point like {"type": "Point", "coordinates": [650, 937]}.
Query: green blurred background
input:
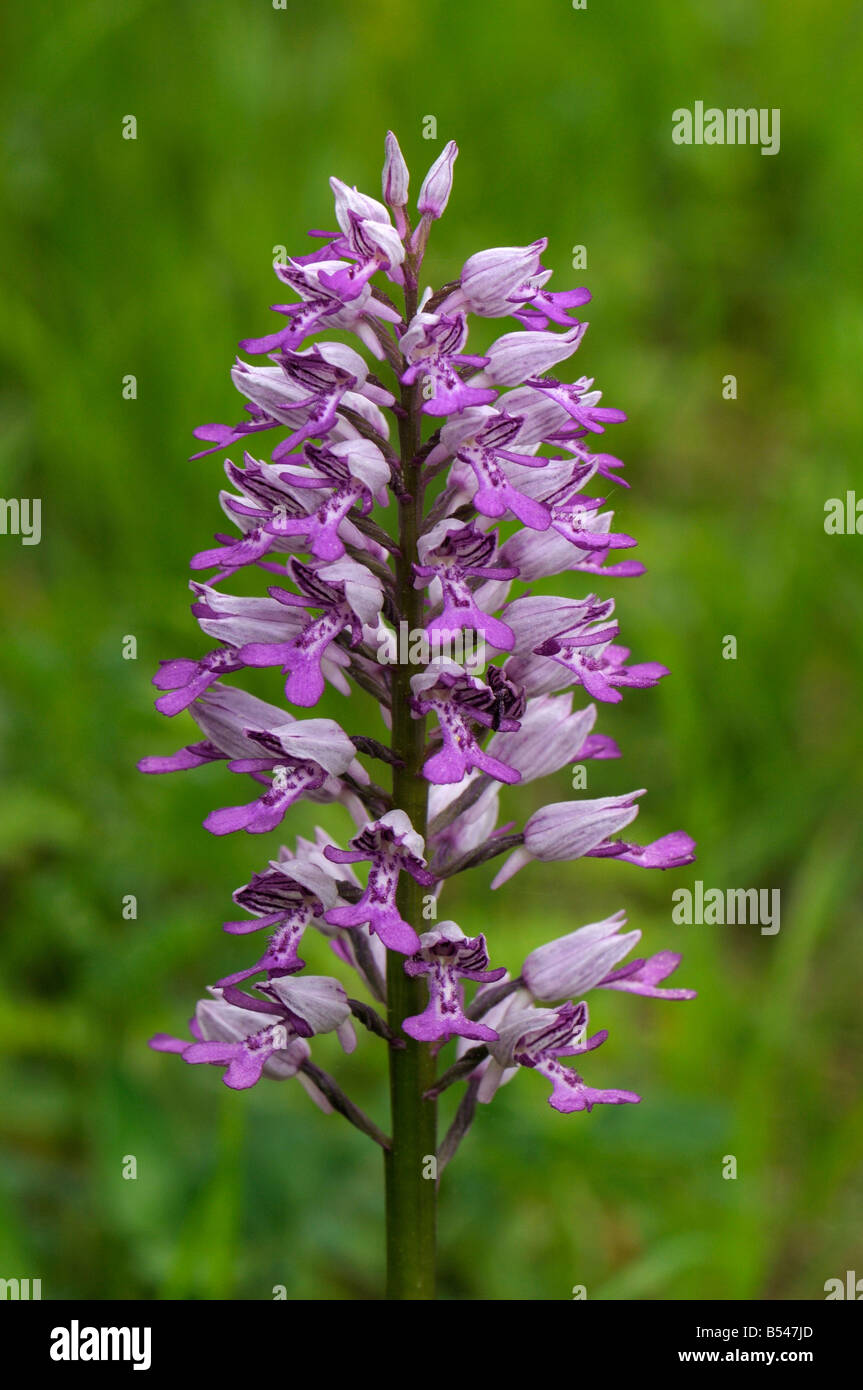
{"type": "Point", "coordinates": [153, 257]}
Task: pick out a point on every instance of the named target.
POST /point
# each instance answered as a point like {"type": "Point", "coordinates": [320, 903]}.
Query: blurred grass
{"type": "Point", "coordinates": [152, 257]}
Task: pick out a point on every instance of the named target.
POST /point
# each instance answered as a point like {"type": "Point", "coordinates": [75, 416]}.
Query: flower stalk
{"type": "Point", "coordinates": [411, 1192]}
{"type": "Point", "coordinates": [484, 440]}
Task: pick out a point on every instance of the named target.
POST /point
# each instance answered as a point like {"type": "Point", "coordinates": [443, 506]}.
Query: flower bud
{"type": "Point", "coordinates": [437, 184]}
{"type": "Point", "coordinates": [395, 176]}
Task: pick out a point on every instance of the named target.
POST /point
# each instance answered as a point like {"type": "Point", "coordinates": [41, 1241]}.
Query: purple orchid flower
{"type": "Point", "coordinates": [572, 829]}
{"type": "Point", "coordinates": [478, 438]}
{"type": "Point", "coordinates": [452, 556]}
{"type": "Point", "coordinates": [580, 651]}
{"type": "Point", "coordinates": [228, 718]}
{"type": "Point", "coordinates": [535, 619]}
{"type": "Point", "coordinates": [227, 1034]}
{"type": "Point", "coordinates": [496, 282]}
{"type": "Point", "coordinates": [353, 308]}
{"type": "Point", "coordinates": [509, 280]}
{"type": "Point", "coordinates": [269, 622]}
{"type": "Point", "coordinates": [186, 680]}
{"type": "Point", "coordinates": [303, 391]}
{"type": "Point", "coordinates": [574, 518]}
{"type": "Point", "coordinates": [276, 899]}
{"type": "Point", "coordinates": [538, 555]}
{"type": "Point", "coordinates": [348, 595]}
{"type": "Point", "coordinates": [585, 959]}
{"type": "Point", "coordinates": [273, 504]}
{"type": "Point", "coordinates": [300, 884]}
{"type": "Point", "coordinates": [445, 957]}
{"type": "Point", "coordinates": [392, 845]}
{"type": "Point", "coordinates": [275, 399]}
{"type": "Point", "coordinates": [579, 401]}
{"type": "Point", "coordinates": [519, 357]}
{"type": "Point", "coordinates": [290, 782]}
{"type": "Point", "coordinates": [433, 345]}
{"type": "Point", "coordinates": [369, 235]}
{"type": "Point", "coordinates": [600, 667]}
{"type": "Point", "coordinates": [231, 1030]}
{"type": "Point", "coordinates": [537, 1038]}
{"type": "Point", "coordinates": [447, 690]}
{"type": "Point", "coordinates": [390, 448]}
{"type": "Point", "coordinates": [353, 472]}
{"type": "Point", "coordinates": [547, 307]}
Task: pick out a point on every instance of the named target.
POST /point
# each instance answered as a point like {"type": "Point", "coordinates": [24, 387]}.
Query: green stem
{"type": "Point", "coordinates": [411, 1189]}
